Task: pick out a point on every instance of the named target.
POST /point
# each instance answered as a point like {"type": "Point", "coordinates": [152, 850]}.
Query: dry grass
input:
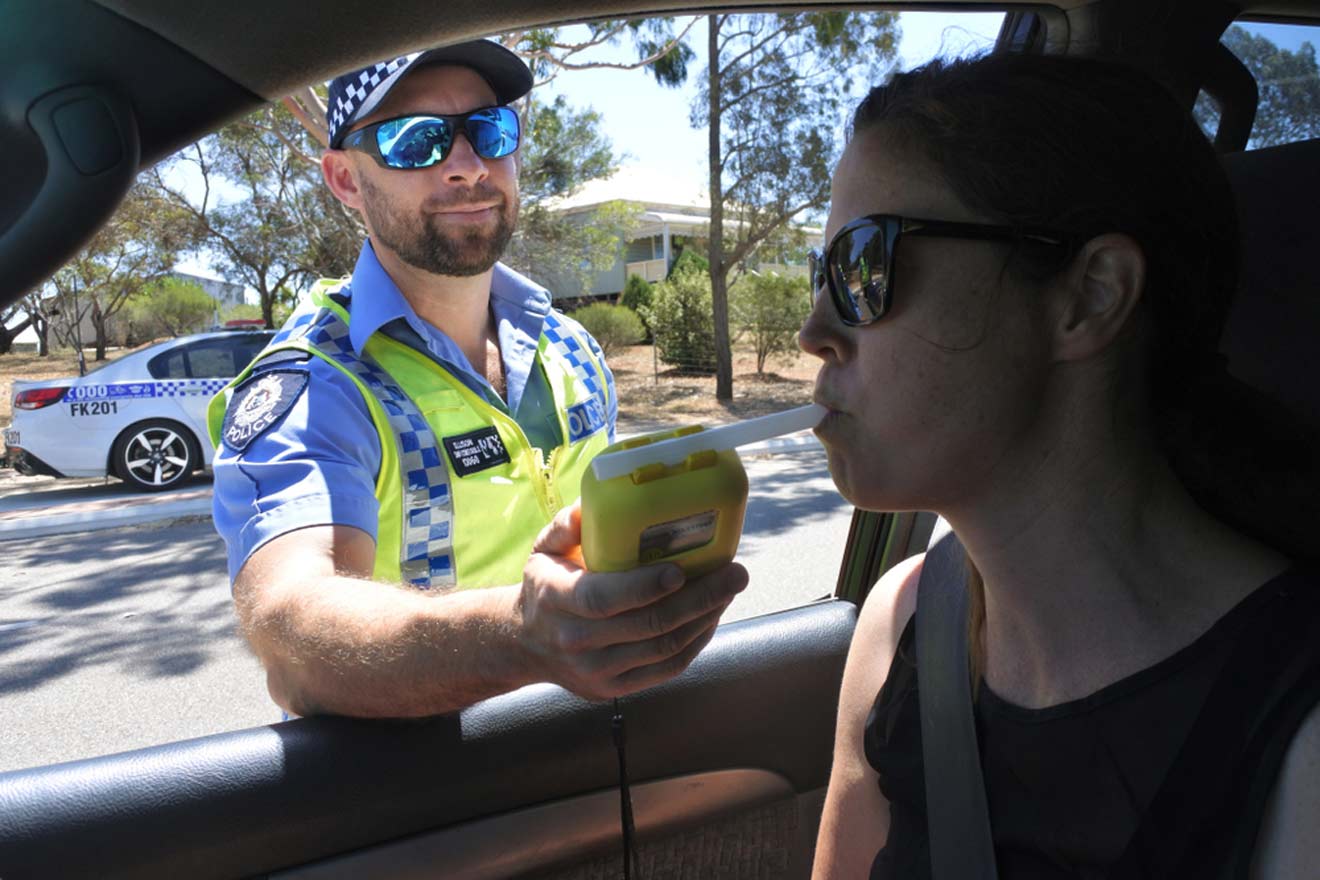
{"type": "Point", "coordinates": [647, 400]}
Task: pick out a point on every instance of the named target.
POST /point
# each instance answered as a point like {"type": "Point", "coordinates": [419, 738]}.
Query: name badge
{"type": "Point", "coordinates": [476, 451]}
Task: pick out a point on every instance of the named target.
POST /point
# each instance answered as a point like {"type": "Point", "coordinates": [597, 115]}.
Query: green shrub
{"type": "Point", "coordinates": [690, 260]}
{"type": "Point", "coordinates": [613, 326]}
{"type": "Point", "coordinates": [770, 309]}
{"type": "Point", "coordinates": [681, 320]}
{"type": "Point", "coordinates": [170, 307]}
{"type": "Point", "coordinates": [637, 295]}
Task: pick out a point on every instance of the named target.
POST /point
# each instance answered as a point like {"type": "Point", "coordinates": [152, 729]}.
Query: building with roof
{"type": "Point", "coordinates": [225, 294]}
{"type": "Point", "coordinates": [674, 217]}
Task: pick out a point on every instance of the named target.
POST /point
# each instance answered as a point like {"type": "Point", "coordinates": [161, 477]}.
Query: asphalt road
{"type": "Point", "coordinates": [122, 638]}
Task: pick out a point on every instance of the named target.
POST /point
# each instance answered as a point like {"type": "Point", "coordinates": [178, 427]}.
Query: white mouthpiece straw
{"type": "Point", "coordinates": [670, 452]}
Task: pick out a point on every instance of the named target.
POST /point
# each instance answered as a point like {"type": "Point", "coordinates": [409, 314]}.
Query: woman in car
{"type": "Point", "coordinates": [1029, 261]}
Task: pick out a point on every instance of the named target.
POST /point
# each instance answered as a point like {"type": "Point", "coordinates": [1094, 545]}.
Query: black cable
{"type": "Point", "coordinates": [625, 794]}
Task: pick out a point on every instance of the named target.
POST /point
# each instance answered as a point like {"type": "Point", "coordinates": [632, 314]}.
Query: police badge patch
{"type": "Point", "coordinates": [259, 403]}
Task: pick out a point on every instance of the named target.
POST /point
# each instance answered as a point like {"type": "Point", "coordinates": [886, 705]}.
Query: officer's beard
{"type": "Point", "coordinates": [424, 242]}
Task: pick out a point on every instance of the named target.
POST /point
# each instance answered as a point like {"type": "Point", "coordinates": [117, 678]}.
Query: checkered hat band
{"type": "Point", "coordinates": [352, 97]}
{"type": "Point", "coordinates": [426, 556]}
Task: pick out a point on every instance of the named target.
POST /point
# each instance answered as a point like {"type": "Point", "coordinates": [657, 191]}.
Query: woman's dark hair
{"type": "Point", "coordinates": [1086, 147]}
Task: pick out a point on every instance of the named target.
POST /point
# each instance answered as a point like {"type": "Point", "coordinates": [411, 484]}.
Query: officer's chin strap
{"type": "Point", "coordinates": [625, 795]}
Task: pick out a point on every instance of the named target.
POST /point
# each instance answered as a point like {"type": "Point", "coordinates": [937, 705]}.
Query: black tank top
{"type": "Point", "coordinates": [1069, 786]}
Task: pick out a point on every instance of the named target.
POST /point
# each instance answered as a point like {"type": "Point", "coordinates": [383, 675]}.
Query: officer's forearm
{"type": "Point", "coordinates": [352, 647]}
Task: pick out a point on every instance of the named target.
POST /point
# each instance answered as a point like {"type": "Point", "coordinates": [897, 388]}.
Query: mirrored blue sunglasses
{"type": "Point", "coordinates": [408, 142]}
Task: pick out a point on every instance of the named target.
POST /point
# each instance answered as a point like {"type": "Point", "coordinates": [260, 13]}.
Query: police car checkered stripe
{"type": "Point", "coordinates": [346, 104]}
{"type": "Point", "coordinates": [137, 390]}
{"type": "Point", "coordinates": [567, 344]}
{"type": "Point", "coordinates": [190, 387]}
{"type": "Point", "coordinates": [426, 555]}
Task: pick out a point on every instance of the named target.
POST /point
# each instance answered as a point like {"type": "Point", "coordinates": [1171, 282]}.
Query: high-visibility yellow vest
{"type": "Point", "coordinates": [462, 494]}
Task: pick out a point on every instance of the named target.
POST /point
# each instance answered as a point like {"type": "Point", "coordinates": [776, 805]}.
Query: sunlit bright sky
{"type": "Point", "coordinates": [647, 123]}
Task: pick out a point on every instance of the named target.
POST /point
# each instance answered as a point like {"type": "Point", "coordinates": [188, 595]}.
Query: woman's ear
{"type": "Point", "coordinates": [1098, 293]}
{"type": "Point", "coordinates": [341, 177]}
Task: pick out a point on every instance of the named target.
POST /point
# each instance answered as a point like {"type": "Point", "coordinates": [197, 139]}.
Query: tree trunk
{"type": "Point", "coordinates": [42, 328]}
{"type": "Point", "coordinates": [9, 334]}
{"type": "Point", "coordinates": [719, 273]}
{"type": "Point", "coordinates": [268, 309]}
{"type": "Point", "coordinates": [98, 324]}
{"type": "Point", "coordinates": [66, 336]}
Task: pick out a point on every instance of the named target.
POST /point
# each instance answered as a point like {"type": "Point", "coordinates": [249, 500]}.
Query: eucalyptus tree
{"type": "Point", "coordinates": [775, 97]}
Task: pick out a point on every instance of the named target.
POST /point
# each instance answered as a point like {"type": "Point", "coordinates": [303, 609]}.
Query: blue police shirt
{"type": "Point", "coordinates": [317, 464]}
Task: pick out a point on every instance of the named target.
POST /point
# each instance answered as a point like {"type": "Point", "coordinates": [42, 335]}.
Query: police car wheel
{"type": "Point", "coordinates": [155, 455]}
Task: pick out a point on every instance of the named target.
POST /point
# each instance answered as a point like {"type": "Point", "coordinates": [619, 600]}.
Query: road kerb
{"type": "Point", "coordinates": [71, 519]}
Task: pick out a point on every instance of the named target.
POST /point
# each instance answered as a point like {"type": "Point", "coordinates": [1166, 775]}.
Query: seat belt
{"type": "Point", "coordinates": [957, 814]}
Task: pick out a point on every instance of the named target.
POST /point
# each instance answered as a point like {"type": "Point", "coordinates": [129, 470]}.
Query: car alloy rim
{"type": "Point", "coordinates": [156, 456]}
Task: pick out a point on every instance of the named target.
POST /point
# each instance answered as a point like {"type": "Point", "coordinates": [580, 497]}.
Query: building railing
{"type": "Point", "coordinates": [651, 270]}
{"type": "Point", "coordinates": [655, 270]}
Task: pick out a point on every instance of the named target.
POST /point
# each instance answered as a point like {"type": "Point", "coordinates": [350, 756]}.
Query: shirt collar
{"type": "Point", "coordinates": [514, 295]}
{"type": "Point", "coordinates": [377, 300]}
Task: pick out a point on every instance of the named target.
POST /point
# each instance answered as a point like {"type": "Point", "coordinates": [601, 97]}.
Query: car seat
{"type": "Point", "coordinates": [1261, 470]}
{"type": "Point", "coordinates": [1273, 330]}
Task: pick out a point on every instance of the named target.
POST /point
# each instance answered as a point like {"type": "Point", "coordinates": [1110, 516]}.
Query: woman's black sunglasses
{"type": "Point", "coordinates": [857, 266]}
{"type": "Point", "coordinates": [409, 142]}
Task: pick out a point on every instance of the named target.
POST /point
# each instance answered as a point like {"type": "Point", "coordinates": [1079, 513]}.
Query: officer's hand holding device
{"type": "Point", "coordinates": [625, 588]}
{"type": "Point", "coordinates": [605, 634]}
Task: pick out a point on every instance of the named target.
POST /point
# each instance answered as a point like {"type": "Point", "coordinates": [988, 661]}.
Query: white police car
{"type": "Point", "coordinates": [141, 418]}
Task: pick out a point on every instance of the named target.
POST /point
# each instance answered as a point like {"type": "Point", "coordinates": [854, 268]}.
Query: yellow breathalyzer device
{"type": "Point", "coordinates": [675, 496]}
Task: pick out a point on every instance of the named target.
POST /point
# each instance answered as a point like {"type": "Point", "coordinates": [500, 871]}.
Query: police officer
{"type": "Point", "coordinates": [420, 432]}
